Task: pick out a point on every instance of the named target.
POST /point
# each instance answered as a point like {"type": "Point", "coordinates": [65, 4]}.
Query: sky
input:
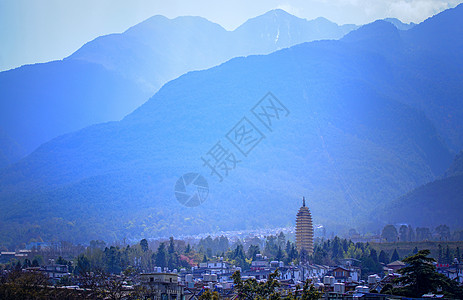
{"type": "Point", "coordinates": [33, 31]}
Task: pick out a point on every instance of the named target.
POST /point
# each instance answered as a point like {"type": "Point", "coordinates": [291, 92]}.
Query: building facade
{"type": "Point", "coordinates": [162, 286]}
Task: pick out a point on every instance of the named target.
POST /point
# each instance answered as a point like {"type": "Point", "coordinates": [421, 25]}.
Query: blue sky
{"type": "Point", "coordinates": [34, 31]}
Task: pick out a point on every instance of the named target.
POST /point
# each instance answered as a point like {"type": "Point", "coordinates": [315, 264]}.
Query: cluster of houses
{"type": "Point", "coordinates": [453, 271]}
{"type": "Point", "coordinates": [6, 256]}
{"type": "Point", "coordinates": [339, 282]}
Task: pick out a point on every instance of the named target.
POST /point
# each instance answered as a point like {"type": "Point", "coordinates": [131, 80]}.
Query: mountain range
{"type": "Point", "coordinates": [109, 77]}
{"type": "Point", "coordinates": [432, 204]}
{"type": "Point", "coordinates": [352, 124]}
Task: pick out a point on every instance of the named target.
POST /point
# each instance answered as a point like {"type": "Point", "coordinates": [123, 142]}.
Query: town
{"type": "Point", "coordinates": [263, 267]}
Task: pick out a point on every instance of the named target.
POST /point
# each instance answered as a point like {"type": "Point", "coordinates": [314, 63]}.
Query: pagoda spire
{"type": "Point", "coordinates": [303, 201]}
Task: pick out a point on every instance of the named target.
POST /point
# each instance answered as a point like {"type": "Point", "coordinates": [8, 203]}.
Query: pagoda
{"type": "Point", "coordinates": [304, 230]}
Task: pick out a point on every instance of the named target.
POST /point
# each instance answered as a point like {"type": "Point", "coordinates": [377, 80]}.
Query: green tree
{"type": "Point", "coordinates": [280, 255]}
{"type": "Point", "coordinates": [448, 258]}
{"type": "Point", "coordinates": [374, 255]}
{"type": "Point", "coordinates": [271, 246]}
{"type": "Point", "coordinates": [24, 285]}
{"type": "Point", "coordinates": [395, 255]}
{"type": "Point", "coordinates": [171, 245]}
{"type": "Point", "coordinates": [389, 233]}
{"type": "Point", "coordinates": [35, 263]}
{"type": "Point", "coordinates": [403, 233]}
{"type": "Point", "coordinates": [411, 234]}
{"type": "Point", "coordinates": [208, 295]}
{"type": "Point", "coordinates": [281, 239]}
{"type": "Point", "coordinates": [83, 265]}
{"type": "Point", "coordinates": [161, 256]}
{"type": "Point", "coordinates": [252, 289]}
{"type": "Point", "coordinates": [61, 261]}
{"type": "Point", "coordinates": [144, 245]}
{"type": "Point", "coordinates": [253, 250]}
{"type": "Point", "coordinates": [309, 292]}
{"type": "Point", "coordinates": [440, 254]}
{"type": "Point", "coordinates": [444, 232]}
{"type": "Point", "coordinates": [419, 277]}
{"type": "Point", "coordinates": [383, 257]}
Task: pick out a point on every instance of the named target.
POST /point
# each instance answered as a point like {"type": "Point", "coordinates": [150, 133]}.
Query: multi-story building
{"type": "Point", "coordinates": [304, 230]}
{"type": "Point", "coordinates": [162, 286]}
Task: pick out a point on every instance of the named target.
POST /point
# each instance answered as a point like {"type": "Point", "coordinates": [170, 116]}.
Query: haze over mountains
{"type": "Point", "coordinates": [371, 117]}
{"type": "Point", "coordinates": [112, 75]}
{"type": "Point", "coordinates": [435, 203]}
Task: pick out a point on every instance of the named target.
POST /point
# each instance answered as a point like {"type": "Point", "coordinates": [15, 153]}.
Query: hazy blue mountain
{"type": "Point", "coordinates": [355, 139]}
{"type": "Point", "coordinates": [431, 47]}
{"type": "Point", "coordinates": [109, 77]}
{"type": "Point", "coordinates": [456, 168]}
{"type": "Point", "coordinates": [9, 150]}
{"type": "Point", "coordinates": [399, 24]}
{"type": "Point", "coordinates": [439, 42]}
{"type": "Point", "coordinates": [45, 100]}
{"type": "Point", "coordinates": [435, 203]}
{"type": "Point", "coordinates": [278, 29]}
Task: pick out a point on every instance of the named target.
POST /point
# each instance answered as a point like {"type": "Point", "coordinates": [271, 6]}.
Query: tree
{"type": "Point", "coordinates": [279, 256]}
{"type": "Point", "coordinates": [271, 246]}
{"type": "Point", "coordinates": [253, 250]}
{"type": "Point", "coordinates": [411, 233]}
{"type": "Point", "coordinates": [281, 239]}
{"type": "Point", "coordinates": [309, 292]}
{"type": "Point", "coordinates": [27, 263]}
{"type": "Point", "coordinates": [444, 232]}
{"type": "Point", "coordinates": [208, 295]}
{"type": "Point", "coordinates": [374, 255]}
{"type": "Point", "coordinates": [419, 277]}
{"type": "Point", "coordinates": [24, 285]}
{"type": "Point", "coordinates": [83, 265]}
{"type": "Point", "coordinates": [403, 233]}
{"type": "Point", "coordinates": [370, 263]}
{"type": "Point", "coordinates": [440, 255]}
{"type": "Point", "coordinates": [35, 263]}
{"type": "Point", "coordinates": [389, 233]}
{"type": "Point", "coordinates": [161, 256]}
{"type": "Point", "coordinates": [395, 255]}
{"type": "Point", "coordinates": [144, 245]}
{"type": "Point", "coordinates": [171, 245]}
{"type": "Point", "coordinates": [448, 258]}
{"type": "Point", "coordinates": [423, 234]}
{"type": "Point", "coordinates": [383, 257]}
{"type": "Point", "coordinates": [252, 289]}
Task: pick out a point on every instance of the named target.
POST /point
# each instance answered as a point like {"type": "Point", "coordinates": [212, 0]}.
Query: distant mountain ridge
{"type": "Point", "coordinates": [357, 136]}
{"type": "Point", "coordinates": [109, 77]}
{"type": "Point", "coordinates": [399, 24]}
{"type": "Point", "coordinates": [432, 204]}
{"type": "Point", "coordinates": [456, 168]}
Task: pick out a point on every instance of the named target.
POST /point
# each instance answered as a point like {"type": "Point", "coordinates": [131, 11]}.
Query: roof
{"type": "Point", "coordinates": [336, 268]}
{"type": "Point", "coordinates": [397, 263]}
